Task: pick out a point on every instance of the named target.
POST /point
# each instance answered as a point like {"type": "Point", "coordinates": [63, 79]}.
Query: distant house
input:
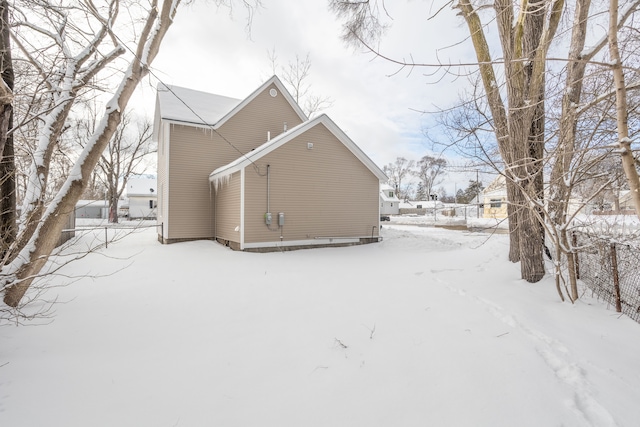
{"type": "Point", "coordinates": [389, 202]}
{"type": "Point", "coordinates": [256, 174]}
{"type": "Point", "coordinates": [420, 207]}
{"type": "Point", "coordinates": [95, 209]}
{"type": "Point", "coordinates": [495, 198]}
{"type": "Point", "coordinates": [142, 192]}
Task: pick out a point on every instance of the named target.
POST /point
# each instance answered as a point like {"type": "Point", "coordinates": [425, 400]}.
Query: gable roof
{"type": "Point", "coordinates": [283, 138]}
{"type": "Point", "coordinates": [384, 193]}
{"type": "Point", "coordinates": [182, 105]}
{"type": "Point", "coordinates": [497, 187]}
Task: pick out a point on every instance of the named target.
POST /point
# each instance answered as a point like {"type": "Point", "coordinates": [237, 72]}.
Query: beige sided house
{"type": "Point", "coordinates": [256, 174]}
{"type": "Point", "coordinates": [495, 198]}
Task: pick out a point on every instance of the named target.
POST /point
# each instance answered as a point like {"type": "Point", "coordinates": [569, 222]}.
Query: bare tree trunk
{"type": "Point", "coordinates": [573, 276]}
{"type": "Point", "coordinates": [113, 209]}
{"type": "Point", "coordinates": [519, 130]}
{"type": "Point", "coordinates": [626, 155]}
{"type": "Point", "coordinates": [8, 225]}
{"type": "Point", "coordinates": [31, 260]}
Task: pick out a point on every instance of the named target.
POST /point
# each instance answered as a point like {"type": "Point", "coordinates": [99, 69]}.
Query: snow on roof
{"type": "Point", "coordinates": [142, 186]}
{"type": "Point", "coordinates": [193, 106]}
{"type": "Point", "coordinates": [225, 171]}
{"type": "Point", "coordinates": [385, 197]}
{"type": "Point", "coordinates": [93, 203]}
{"type": "Point", "coordinates": [497, 187]}
{"type": "Point", "coordinates": [384, 193]}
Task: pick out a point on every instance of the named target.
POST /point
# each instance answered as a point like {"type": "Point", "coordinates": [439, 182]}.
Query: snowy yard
{"type": "Point", "coordinates": [431, 327]}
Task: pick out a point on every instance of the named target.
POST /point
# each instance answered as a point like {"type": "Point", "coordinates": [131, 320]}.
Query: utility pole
{"type": "Point", "coordinates": [455, 192]}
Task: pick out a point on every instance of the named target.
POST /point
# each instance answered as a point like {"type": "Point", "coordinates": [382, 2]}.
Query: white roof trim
{"type": "Point", "coordinates": [285, 137]}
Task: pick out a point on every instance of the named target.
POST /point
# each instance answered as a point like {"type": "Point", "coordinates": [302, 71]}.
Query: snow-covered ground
{"type": "Point", "coordinates": [430, 327]}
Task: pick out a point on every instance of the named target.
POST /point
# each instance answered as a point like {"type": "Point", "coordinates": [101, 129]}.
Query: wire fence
{"type": "Point", "coordinates": [71, 232]}
{"type": "Point", "coordinates": [608, 266]}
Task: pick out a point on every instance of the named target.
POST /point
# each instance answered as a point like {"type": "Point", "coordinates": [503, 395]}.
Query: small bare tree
{"type": "Point", "coordinates": [429, 172]}
{"type": "Point", "coordinates": [295, 75]}
{"type": "Point", "coordinates": [125, 155]}
{"type": "Point", "coordinates": [397, 172]}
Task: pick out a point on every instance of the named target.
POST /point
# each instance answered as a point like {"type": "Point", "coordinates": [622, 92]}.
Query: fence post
{"type": "Point", "coordinates": [106, 239]}
{"type": "Point", "coordinates": [616, 279]}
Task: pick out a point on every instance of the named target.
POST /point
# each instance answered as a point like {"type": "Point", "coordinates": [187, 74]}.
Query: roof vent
{"type": "Point", "coordinates": [273, 93]}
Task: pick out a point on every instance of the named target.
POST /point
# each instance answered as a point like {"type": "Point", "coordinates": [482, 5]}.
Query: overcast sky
{"type": "Point", "coordinates": [373, 101]}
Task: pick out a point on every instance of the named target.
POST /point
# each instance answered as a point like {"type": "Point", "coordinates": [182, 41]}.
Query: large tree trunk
{"type": "Point", "coordinates": [519, 123]}
{"type": "Point", "coordinates": [8, 225]}
{"type": "Point", "coordinates": [532, 269]}
{"type": "Point", "coordinates": [512, 214]}
{"type": "Point", "coordinates": [28, 265]}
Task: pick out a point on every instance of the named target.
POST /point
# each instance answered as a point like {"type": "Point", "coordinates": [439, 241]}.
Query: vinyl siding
{"type": "Point", "coordinates": [196, 151]}
{"type": "Point", "coordinates": [324, 191]}
{"type": "Point", "coordinates": [190, 201]}
{"type": "Point", "coordinates": [228, 209]}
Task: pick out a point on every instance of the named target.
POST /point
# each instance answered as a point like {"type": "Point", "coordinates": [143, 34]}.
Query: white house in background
{"type": "Point", "coordinates": [389, 202]}
{"type": "Point", "coordinates": [142, 192]}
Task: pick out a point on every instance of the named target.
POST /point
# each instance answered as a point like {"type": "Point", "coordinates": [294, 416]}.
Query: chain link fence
{"type": "Point", "coordinates": [608, 265]}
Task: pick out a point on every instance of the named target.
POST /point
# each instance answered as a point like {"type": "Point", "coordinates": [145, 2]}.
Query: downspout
{"type": "Point", "coordinates": [268, 187]}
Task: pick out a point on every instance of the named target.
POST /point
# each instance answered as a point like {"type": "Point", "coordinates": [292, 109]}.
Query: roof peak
{"type": "Point", "coordinates": [197, 107]}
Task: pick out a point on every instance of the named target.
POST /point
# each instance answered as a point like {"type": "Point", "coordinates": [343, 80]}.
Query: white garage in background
{"type": "Point", "coordinates": [142, 193]}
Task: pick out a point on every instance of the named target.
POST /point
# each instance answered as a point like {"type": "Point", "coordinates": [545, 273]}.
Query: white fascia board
{"type": "Point", "coordinates": [261, 151]}
{"type": "Point", "coordinates": [191, 124]}
{"type": "Point", "coordinates": [157, 122]}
